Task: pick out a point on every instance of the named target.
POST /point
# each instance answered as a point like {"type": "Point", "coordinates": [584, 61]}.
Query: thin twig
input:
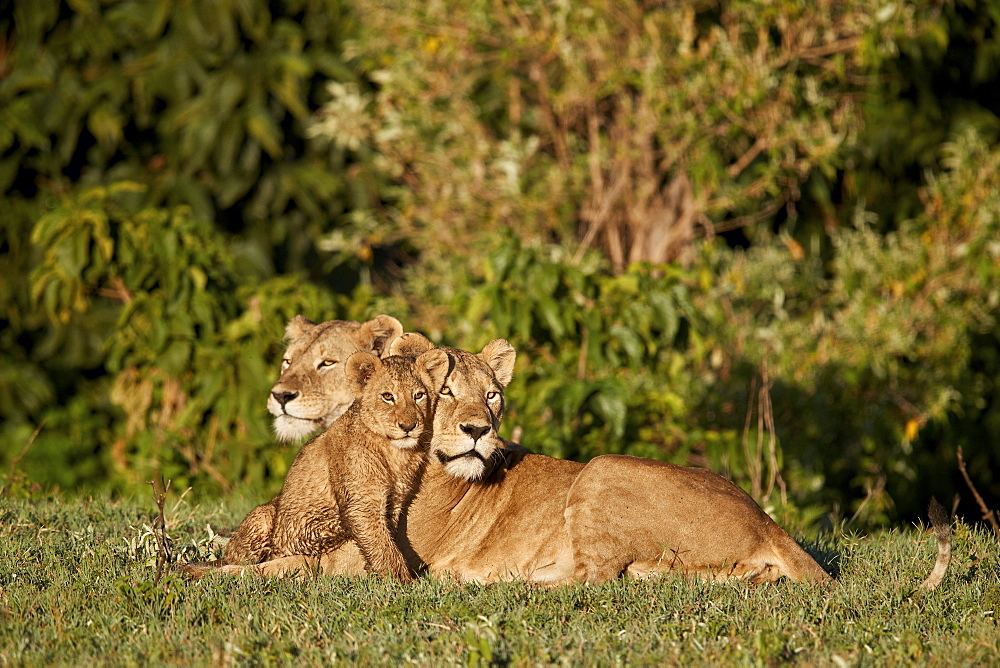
{"type": "Point", "coordinates": [737, 167]}
{"type": "Point", "coordinates": [988, 515]}
{"type": "Point", "coordinates": [742, 221]}
{"type": "Point", "coordinates": [774, 477]}
{"type": "Point", "coordinates": [581, 360]}
{"type": "Point", "coordinates": [872, 492]}
{"type": "Point", "coordinates": [17, 460]}
{"type": "Point", "coordinates": [751, 468]}
{"type": "Point", "coordinates": [600, 218]}
{"type": "Point", "coordinates": [160, 527]}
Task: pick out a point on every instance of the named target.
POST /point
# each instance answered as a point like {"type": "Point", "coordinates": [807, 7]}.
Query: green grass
{"type": "Point", "coordinates": [77, 587]}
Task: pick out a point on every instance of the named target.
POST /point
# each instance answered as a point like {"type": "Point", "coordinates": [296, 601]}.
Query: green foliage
{"type": "Point", "coordinates": [205, 103]}
{"type": "Point", "coordinates": [179, 179]}
{"type": "Point", "coordinates": [598, 122]}
{"type": "Point", "coordinates": [135, 139]}
{"type": "Point", "coordinates": [868, 348]}
{"type": "Point", "coordinates": [191, 351]}
{"type": "Point", "coordinates": [76, 586]}
{"type": "Point", "coordinates": [599, 354]}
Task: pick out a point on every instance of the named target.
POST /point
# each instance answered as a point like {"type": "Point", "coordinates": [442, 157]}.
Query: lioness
{"type": "Point", "coordinates": [351, 481]}
{"type": "Point", "coordinates": [311, 392]}
{"type": "Point", "coordinates": [488, 510]}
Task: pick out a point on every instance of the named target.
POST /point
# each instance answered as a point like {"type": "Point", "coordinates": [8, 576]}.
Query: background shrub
{"type": "Point", "coordinates": [752, 236]}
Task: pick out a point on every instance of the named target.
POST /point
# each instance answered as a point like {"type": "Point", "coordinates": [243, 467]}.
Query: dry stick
{"type": "Point", "coordinates": [988, 515]}
{"type": "Point", "coordinates": [872, 492]}
{"type": "Point", "coordinates": [751, 469]}
{"type": "Point", "coordinates": [159, 527]}
{"type": "Point", "coordinates": [17, 460]}
{"type": "Point", "coordinates": [759, 452]}
{"type": "Point", "coordinates": [772, 443]}
{"type": "Point", "coordinates": [600, 218]}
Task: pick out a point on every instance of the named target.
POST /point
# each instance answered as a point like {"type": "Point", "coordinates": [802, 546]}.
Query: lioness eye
{"type": "Point", "coordinates": [387, 397]}
{"type": "Point", "coordinates": [490, 396]}
{"type": "Point", "coordinates": [446, 391]}
{"type": "Point", "coordinates": [284, 363]}
{"type": "Point", "coordinates": [418, 396]}
{"type": "Point", "coordinates": [326, 363]}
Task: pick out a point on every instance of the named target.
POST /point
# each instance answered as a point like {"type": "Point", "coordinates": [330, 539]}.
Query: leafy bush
{"type": "Point", "coordinates": [132, 289]}
{"type": "Point", "coordinates": [190, 351]}
{"type": "Point", "coordinates": [601, 356]}
{"type": "Point", "coordinates": [869, 348]}
{"type": "Point", "coordinates": [537, 172]}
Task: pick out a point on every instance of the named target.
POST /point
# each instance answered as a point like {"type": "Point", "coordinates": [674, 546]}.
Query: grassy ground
{"type": "Point", "coordinates": [77, 587]}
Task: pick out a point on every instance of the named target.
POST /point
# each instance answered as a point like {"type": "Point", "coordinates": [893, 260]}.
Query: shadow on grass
{"type": "Point", "coordinates": [825, 555]}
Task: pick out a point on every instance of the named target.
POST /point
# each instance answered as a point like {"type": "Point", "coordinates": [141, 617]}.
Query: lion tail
{"type": "Point", "coordinates": [942, 530]}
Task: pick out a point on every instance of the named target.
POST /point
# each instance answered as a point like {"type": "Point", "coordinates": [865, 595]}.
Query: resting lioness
{"type": "Point", "coordinates": [512, 514]}
{"type": "Point", "coordinates": [311, 392]}
{"type": "Point", "coordinates": [351, 481]}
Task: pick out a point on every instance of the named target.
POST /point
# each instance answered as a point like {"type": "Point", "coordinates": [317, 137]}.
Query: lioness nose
{"type": "Point", "coordinates": [474, 430]}
{"type": "Point", "coordinates": [408, 427]}
{"type": "Point", "coordinates": [284, 397]}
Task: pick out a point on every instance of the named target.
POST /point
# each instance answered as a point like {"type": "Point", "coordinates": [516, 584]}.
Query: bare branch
{"type": "Point", "coordinates": [988, 514]}
{"type": "Point", "coordinates": [159, 527]}
{"type": "Point", "coordinates": [17, 460]}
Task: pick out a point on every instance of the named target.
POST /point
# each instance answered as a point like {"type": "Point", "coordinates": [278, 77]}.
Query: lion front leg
{"type": "Point", "coordinates": [594, 568]}
{"type": "Point", "coordinates": [376, 543]}
{"type": "Point", "coordinates": [600, 552]}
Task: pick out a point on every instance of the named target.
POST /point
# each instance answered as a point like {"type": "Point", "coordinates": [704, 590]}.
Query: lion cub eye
{"type": "Point", "coordinates": [445, 391]}
{"type": "Point", "coordinates": [387, 397]}
{"type": "Point", "coordinates": [285, 363]}
{"type": "Point", "coordinates": [326, 363]}
{"type": "Point", "coordinates": [490, 396]}
{"type": "Point", "coordinates": [417, 396]}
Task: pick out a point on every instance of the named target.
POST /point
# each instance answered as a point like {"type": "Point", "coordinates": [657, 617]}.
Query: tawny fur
{"type": "Point", "coordinates": [520, 515]}
{"type": "Point", "coordinates": [941, 522]}
{"type": "Point", "coordinates": [351, 482]}
{"type": "Point", "coordinates": [311, 392]}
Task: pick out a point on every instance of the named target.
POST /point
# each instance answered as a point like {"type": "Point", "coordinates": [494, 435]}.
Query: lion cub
{"type": "Point", "coordinates": [352, 481]}
{"type": "Point", "coordinates": [311, 392]}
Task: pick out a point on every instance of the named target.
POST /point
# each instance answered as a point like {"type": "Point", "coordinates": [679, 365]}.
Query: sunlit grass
{"type": "Point", "coordinates": [77, 587]}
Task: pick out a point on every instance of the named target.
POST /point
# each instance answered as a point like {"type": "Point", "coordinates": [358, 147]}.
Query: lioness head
{"type": "Point", "coordinates": [470, 404]}
{"type": "Point", "coordinates": [396, 394]}
{"type": "Point", "coordinates": [312, 392]}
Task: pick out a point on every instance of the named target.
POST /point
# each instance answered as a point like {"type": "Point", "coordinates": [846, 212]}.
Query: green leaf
{"type": "Point", "coordinates": [630, 342]}
{"type": "Point", "coordinates": [261, 127]}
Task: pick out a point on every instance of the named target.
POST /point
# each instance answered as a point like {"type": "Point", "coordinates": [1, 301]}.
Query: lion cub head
{"type": "Point", "coordinates": [395, 396]}
{"type": "Point", "coordinates": [470, 404]}
{"type": "Point", "coordinates": [312, 391]}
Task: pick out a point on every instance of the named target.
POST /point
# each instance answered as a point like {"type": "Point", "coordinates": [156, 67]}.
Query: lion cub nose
{"type": "Point", "coordinates": [284, 397]}
{"type": "Point", "coordinates": [408, 427]}
{"type": "Point", "coordinates": [474, 430]}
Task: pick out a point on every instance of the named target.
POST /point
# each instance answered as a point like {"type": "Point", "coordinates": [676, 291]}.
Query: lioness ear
{"type": "Point", "coordinates": [376, 334]}
{"type": "Point", "coordinates": [359, 369]}
{"type": "Point", "coordinates": [410, 344]}
{"type": "Point", "coordinates": [433, 367]}
{"type": "Point", "coordinates": [298, 326]}
{"type": "Point", "coordinates": [499, 355]}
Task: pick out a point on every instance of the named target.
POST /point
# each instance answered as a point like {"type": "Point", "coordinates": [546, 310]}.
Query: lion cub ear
{"type": "Point", "coordinates": [298, 326]}
{"type": "Point", "coordinates": [499, 355]}
{"type": "Point", "coordinates": [411, 344]}
{"type": "Point", "coordinates": [359, 369]}
{"type": "Point", "coordinates": [433, 367]}
{"type": "Point", "coordinates": [376, 334]}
